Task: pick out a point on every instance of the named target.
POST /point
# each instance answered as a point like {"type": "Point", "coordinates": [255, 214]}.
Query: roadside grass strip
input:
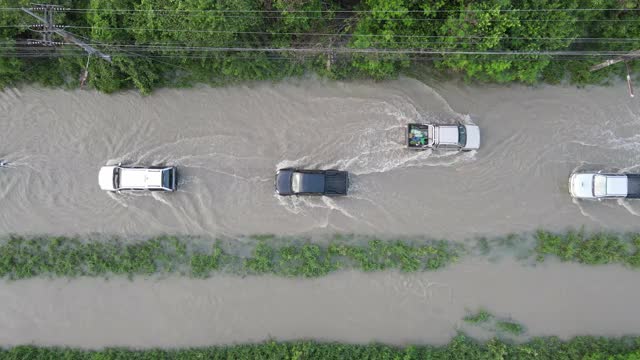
{"type": "Point", "coordinates": [26, 257]}
{"type": "Point", "coordinates": [22, 258]}
{"type": "Point", "coordinates": [461, 347]}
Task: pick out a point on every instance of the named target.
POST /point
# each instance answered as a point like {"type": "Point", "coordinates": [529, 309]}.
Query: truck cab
{"type": "Point", "coordinates": [454, 137]}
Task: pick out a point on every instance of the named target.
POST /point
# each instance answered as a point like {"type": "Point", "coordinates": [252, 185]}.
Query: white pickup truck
{"type": "Point", "coordinates": [596, 185]}
{"type": "Point", "coordinates": [117, 178]}
{"type": "Point", "coordinates": [455, 137]}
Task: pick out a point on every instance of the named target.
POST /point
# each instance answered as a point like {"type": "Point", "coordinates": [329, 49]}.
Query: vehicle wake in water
{"type": "Point", "coordinates": [228, 142]}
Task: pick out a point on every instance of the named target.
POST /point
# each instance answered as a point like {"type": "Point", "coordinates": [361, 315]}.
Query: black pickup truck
{"type": "Point", "coordinates": [311, 182]}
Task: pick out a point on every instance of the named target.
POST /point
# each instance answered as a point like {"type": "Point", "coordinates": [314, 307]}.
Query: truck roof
{"type": "Point", "coordinates": [113, 178]}
{"type": "Point", "coordinates": [448, 135]}
{"type": "Point", "coordinates": [140, 178]}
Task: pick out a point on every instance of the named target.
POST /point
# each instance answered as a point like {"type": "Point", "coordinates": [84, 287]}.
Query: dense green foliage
{"type": "Point", "coordinates": [28, 257]}
{"type": "Point", "coordinates": [503, 25]}
{"type": "Point", "coordinates": [461, 347]}
{"type": "Point", "coordinates": [158, 43]}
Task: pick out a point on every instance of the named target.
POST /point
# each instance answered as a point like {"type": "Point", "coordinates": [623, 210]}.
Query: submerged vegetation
{"type": "Point", "coordinates": [591, 249]}
{"type": "Point", "coordinates": [23, 257]}
{"type": "Point", "coordinates": [481, 317]}
{"type": "Point", "coordinates": [460, 347]}
{"type": "Point", "coordinates": [60, 256]}
{"type": "Point", "coordinates": [510, 327]}
{"type": "Point", "coordinates": [490, 322]}
{"type": "Point", "coordinates": [159, 43]}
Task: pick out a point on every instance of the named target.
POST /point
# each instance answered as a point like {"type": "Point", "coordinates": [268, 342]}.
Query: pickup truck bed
{"type": "Point", "coordinates": [336, 183]}
{"type": "Point", "coordinates": [418, 136]}
{"type": "Point", "coordinates": [633, 186]}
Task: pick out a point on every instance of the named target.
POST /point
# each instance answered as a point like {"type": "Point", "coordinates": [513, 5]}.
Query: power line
{"type": "Point", "coordinates": [51, 28]}
{"type": "Point", "coordinates": [335, 11]}
{"type": "Point", "coordinates": [383, 50]}
{"type": "Point", "coordinates": [452, 50]}
{"type": "Point", "coordinates": [251, 14]}
{"type": "Point", "coordinates": [292, 58]}
{"type": "Point", "coordinates": [297, 17]}
{"type": "Point", "coordinates": [419, 51]}
{"type": "Point", "coordinates": [353, 35]}
{"type": "Point", "coordinates": [324, 49]}
{"type": "Point", "coordinates": [345, 34]}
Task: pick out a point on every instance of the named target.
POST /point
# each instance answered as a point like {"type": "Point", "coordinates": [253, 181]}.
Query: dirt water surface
{"type": "Point", "coordinates": [423, 308]}
{"type": "Point", "coordinates": [228, 143]}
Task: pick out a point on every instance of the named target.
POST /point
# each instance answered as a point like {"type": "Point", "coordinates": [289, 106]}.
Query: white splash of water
{"type": "Point", "coordinates": [625, 204]}
{"type": "Point", "coordinates": [157, 196]}
{"type": "Point", "coordinates": [584, 212]}
{"type": "Point", "coordinates": [118, 199]}
{"type": "Point", "coordinates": [332, 205]}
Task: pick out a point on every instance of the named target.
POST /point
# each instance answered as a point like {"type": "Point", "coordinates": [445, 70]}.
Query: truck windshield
{"type": "Point", "coordinates": [116, 178]}
{"type": "Point", "coordinates": [167, 179]}
{"type": "Point", "coordinates": [599, 185]}
{"type": "Point", "coordinates": [296, 181]}
{"type": "Point", "coordinates": [462, 135]}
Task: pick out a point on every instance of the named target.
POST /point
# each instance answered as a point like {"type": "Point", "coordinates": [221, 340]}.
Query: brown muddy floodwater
{"type": "Point", "coordinates": [553, 299]}
{"type": "Point", "coordinates": [228, 143]}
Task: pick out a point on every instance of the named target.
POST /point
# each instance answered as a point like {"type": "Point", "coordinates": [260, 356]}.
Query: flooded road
{"type": "Point", "coordinates": [228, 143]}
{"type": "Point", "coordinates": [425, 308]}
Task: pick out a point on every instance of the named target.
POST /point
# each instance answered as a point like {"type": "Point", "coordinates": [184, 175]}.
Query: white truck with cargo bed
{"type": "Point", "coordinates": [454, 137]}
{"type": "Point", "coordinates": [596, 185]}
{"type": "Point", "coordinates": [118, 178]}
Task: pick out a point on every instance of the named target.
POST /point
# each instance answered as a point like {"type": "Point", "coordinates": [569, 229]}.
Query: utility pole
{"type": "Point", "coordinates": [49, 28]}
{"type": "Point", "coordinates": [626, 58]}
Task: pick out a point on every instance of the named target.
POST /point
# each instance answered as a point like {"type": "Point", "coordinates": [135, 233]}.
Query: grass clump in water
{"type": "Point", "coordinates": [510, 327]}
{"type": "Point", "coordinates": [592, 249]}
{"type": "Point", "coordinates": [380, 255]}
{"type": "Point", "coordinates": [482, 316]}
{"type": "Point", "coordinates": [492, 323]}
